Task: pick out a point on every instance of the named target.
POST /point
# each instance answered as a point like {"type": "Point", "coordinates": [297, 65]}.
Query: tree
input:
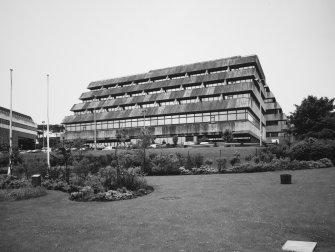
{"type": "Point", "coordinates": [314, 118]}
{"type": "Point", "coordinates": [227, 136]}
{"type": "Point", "coordinates": [146, 138]}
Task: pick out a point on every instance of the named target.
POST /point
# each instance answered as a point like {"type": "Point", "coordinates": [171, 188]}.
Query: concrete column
{"type": "Point", "coordinates": [195, 139]}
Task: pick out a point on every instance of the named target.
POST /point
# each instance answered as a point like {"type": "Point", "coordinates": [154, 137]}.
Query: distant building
{"type": "Point", "coordinates": [188, 101]}
{"type": "Point", "coordinates": [23, 126]}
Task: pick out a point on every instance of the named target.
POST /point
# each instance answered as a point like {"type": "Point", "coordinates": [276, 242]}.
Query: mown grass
{"type": "Point", "coordinates": [22, 193]}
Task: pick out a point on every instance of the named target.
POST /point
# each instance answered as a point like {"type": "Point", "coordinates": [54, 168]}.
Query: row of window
{"type": "Point", "coordinates": [180, 88]}
{"type": "Point", "coordinates": [184, 75]}
{"type": "Point", "coordinates": [210, 117]}
{"type": "Point", "coordinates": [172, 102]}
{"type": "Point", "coordinates": [275, 134]}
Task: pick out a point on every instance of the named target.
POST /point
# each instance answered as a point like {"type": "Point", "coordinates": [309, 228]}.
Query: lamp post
{"type": "Point", "coordinates": [9, 172]}
{"type": "Point", "coordinates": [43, 123]}
{"type": "Point", "coordinates": [48, 143]}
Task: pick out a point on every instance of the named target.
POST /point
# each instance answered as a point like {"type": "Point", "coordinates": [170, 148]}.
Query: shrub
{"type": "Point", "coordinates": [165, 165]}
{"type": "Point", "coordinates": [22, 193]}
{"type": "Point", "coordinates": [208, 162]}
{"type": "Point", "coordinates": [222, 163]}
{"type": "Point", "coordinates": [236, 159]}
{"type": "Point", "coordinates": [184, 171]}
{"type": "Point", "coordinates": [256, 159]}
{"type": "Point", "coordinates": [12, 182]}
{"type": "Point", "coordinates": [280, 164]}
{"type": "Point", "coordinates": [248, 158]}
{"type": "Point", "coordinates": [204, 169]}
{"type": "Point", "coordinates": [198, 160]}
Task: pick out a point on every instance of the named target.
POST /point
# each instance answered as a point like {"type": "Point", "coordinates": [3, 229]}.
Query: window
{"type": "Point", "coordinates": [186, 101]}
{"type": "Point", "coordinates": [182, 119]}
{"type": "Point", "coordinates": [206, 117]}
{"type": "Point", "coordinates": [190, 118]}
{"type": "Point", "coordinates": [153, 121]}
{"type": "Point", "coordinates": [168, 120]}
{"type": "Point", "coordinates": [175, 119]}
{"type": "Point", "coordinates": [160, 120]}
{"type": "Point", "coordinates": [214, 84]}
{"type": "Point", "coordinates": [231, 115]}
{"type": "Point", "coordinates": [198, 118]}
{"type": "Point", "coordinates": [211, 98]}
{"type": "Point", "coordinates": [166, 103]}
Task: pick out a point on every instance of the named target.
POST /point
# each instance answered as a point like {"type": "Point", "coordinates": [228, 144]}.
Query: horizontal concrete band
{"type": "Point", "coordinates": [4, 119]}
{"type": "Point", "coordinates": [239, 127]}
{"type": "Point", "coordinates": [246, 73]}
{"type": "Point", "coordinates": [183, 69]}
{"type": "Point", "coordinates": [18, 129]}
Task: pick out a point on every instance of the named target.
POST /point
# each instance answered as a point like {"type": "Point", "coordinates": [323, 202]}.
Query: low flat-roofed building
{"type": "Point", "coordinates": [188, 101]}
{"type": "Point", "coordinates": [23, 128]}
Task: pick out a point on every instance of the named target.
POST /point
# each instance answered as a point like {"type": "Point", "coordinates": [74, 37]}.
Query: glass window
{"type": "Point", "coordinates": [231, 115]}
{"type": "Point", "coordinates": [140, 122]}
{"type": "Point", "coordinates": [241, 115]}
{"type": "Point", "coordinates": [104, 125]}
{"type": "Point", "coordinates": [122, 124]}
{"type": "Point", "coordinates": [160, 120]}
{"type": "Point", "coordinates": [198, 118]}
{"type": "Point", "coordinates": [147, 121]}
{"type": "Point", "coordinates": [175, 119]}
{"type": "Point", "coordinates": [190, 118]}
{"type": "Point", "coordinates": [128, 123]}
{"type": "Point", "coordinates": [153, 121]}
{"type": "Point", "coordinates": [168, 120]}
{"type": "Point", "coordinates": [182, 119]}
{"type": "Point", "coordinates": [212, 118]}
{"type": "Point", "coordinates": [116, 124]}
{"type": "Point", "coordinates": [206, 117]}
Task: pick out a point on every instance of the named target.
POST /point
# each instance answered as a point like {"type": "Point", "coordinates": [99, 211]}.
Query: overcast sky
{"type": "Point", "coordinates": [79, 41]}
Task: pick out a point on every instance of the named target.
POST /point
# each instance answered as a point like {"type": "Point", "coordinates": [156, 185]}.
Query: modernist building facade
{"type": "Point", "coordinates": [24, 130]}
{"type": "Point", "coordinates": [188, 101]}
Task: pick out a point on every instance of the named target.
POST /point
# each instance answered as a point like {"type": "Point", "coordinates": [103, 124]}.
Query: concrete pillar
{"type": "Point", "coordinates": [195, 139]}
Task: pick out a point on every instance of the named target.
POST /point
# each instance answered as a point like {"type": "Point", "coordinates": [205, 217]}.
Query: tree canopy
{"type": "Point", "coordinates": [314, 118]}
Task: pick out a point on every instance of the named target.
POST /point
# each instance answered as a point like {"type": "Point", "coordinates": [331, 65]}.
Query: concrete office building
{"type": "Point", "coordinates": [23, 128]}
{"type": "Point", "coordinates": [188, 101]}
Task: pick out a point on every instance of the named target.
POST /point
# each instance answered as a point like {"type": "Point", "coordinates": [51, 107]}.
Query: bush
{"type": "Point", "coordinates": [165, 165]}
{"type": "Point", "coordinates": [208, 162]}
{"type": "Point", "coordinates": [198, 160]}
{"type": "Point", "coordinates": [280, 164]}
{"type": "Point", "coordinates": [236, 159]}
{"type": "Point", "coordinates": [22, 193]}
{"type": "Point", "coordinates": [12, 182]}
{"type": "Point", "coordinates": [222, 163]}
{"type": "Point", "coordinates": [204, 169]}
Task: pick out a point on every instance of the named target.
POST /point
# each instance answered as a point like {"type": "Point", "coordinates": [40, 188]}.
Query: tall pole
{"type": "Point", "coordinates": [9, 172]}
{"type": "Point", "coordinates": [48, 148]}
{"type": "Point", "coordinates": [43, 123]}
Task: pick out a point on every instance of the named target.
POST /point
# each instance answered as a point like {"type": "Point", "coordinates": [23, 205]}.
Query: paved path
{"type": "Point", "coordinates": [236, 212]}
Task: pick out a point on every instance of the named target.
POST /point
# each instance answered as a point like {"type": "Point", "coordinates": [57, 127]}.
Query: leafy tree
{"type": "Point", "coordinates": [227, 136]}
{"type": "Point", "coordinates": [314, 118]}
{"type": "Point", "coordinates": [146, 138]}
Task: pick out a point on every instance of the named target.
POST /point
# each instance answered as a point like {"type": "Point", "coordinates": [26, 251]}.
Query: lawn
{"type": "Point", "coordinates": [236, 212]}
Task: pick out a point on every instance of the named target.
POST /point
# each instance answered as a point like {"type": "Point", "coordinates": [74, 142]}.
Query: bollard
{"type": "Point", "coordinates": [36, 180]}
{"type": "Point", "coordinates": [285, 178]}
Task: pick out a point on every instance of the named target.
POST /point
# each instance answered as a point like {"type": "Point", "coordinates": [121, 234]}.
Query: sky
{"type": "Point", "coordinates": [80, 41]}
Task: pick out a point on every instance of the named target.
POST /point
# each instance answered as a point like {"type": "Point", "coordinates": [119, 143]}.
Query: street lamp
{"type": "Point", "coordinates": [43, 123]}
{"type": "Point", "coordinates": [9, 172]}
